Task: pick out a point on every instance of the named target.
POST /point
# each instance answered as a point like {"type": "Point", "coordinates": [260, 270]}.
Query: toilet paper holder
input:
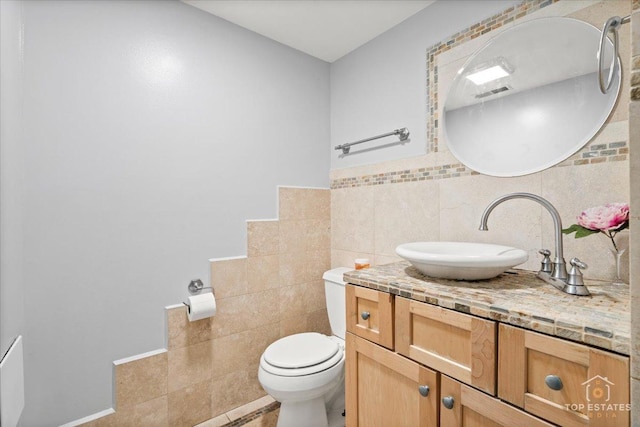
{"type": "Point", "coordinates": [196, 285]}
{"type": "Point", "coordinates": [200, 305]}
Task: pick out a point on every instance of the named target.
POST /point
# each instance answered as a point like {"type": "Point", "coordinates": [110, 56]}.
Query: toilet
{"type": "Point", "coordinates": [305, 372]}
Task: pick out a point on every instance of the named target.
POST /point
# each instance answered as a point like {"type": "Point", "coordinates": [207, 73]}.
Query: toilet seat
{"type": "Point", "coordinates": [301, 354]}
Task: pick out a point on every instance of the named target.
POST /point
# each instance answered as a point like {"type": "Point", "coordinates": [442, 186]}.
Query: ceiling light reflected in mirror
{"type": "Point", "coordinates": [488, 75]}
{"type": "Point", "coordinates": [542, 107]}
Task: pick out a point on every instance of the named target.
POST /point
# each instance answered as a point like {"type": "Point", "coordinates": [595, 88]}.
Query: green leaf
{"type": "Point", "coordinates": [579, 230]}
{"type": "Point", "coordinates": [571, 229]}
{"type": "Point", "coordinates": [584, 232]}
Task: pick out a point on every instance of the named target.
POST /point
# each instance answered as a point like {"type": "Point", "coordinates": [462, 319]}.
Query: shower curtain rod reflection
{"type": "Point", "coordinates": [403, 134]}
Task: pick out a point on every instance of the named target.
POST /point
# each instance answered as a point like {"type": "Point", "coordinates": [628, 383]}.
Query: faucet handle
{"type": "Point", "coordinates": [575, 275]}
{"type": "Point", "coordinates": [546, 265]}
{"type": "Point", "coordinates": [575, 262]}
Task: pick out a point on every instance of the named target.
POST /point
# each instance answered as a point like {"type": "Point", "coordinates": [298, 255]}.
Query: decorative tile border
{"type": "Point", "coordinates": [517, 298]}
{"type": "Point", "coordinates": [253, 415]}
{"type": "Point", "coordinates": [592, 154]}
{"type": "Point", "coordinates": [406, 175]}
{"type": "Point", "coordinates": [476, 30]}
{"type": "Point", "coordinates": [599, 153]}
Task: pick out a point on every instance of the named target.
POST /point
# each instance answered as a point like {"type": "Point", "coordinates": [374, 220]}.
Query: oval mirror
{"type": "Point", "coordinates": [529, 98]}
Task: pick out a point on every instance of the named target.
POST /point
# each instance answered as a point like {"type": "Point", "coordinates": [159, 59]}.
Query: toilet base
{"type": "Point", "coordinates": [310, 413]}
{"type": "Point", "coordinates": [336, 411]}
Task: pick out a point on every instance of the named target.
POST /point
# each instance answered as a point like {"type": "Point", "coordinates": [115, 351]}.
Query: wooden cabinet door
{"type": "Point", "coordinates": [461, 405]}
{"type": "Point", "coordinates": [564, 382]}
{"type": "Point", "coordinates": [384, 389]}
{"type": "Point", "coordinates": [370, 314]}
{"type": "Point", "coordinates": [456, 344]}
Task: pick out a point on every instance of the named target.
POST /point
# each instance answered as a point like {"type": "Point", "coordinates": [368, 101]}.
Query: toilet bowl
{"type": "Point", "coordinates": [303, 389]}
{"type": "Point", "coordinates": [305, 372]}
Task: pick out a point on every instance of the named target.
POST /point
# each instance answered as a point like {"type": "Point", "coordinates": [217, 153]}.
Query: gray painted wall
{"type": "Point", "coordinates": [11, 164]}
{"type": "Point", "coordinates": [152, 132]}
{"type": "Point", "coordinates": [382, 85]}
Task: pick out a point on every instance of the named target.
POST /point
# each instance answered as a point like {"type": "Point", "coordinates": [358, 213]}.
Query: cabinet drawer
{"type": "Point", "coordinates": [564, 382]}
{"type": "Point", "coordinates": [461, 405]}
{"type": "Point", "coordinates": [456, 344]}
{"type": "Point", "coordinates": [370, 314]}
{"type": "Point", "coordinates": [385, 389]}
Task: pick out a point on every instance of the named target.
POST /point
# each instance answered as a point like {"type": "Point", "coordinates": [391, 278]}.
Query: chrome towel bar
{"type": "Point", "coordinates": [403, 134]}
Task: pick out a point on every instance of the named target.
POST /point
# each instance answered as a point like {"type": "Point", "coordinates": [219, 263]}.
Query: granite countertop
{"type": "Point", "coordinates": [519, 298]}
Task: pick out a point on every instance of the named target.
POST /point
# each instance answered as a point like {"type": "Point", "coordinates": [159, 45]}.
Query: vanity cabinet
{"type": "Point", "coordinates": [370, 315]}
{"type": "Point", "coordinates": [567, 383]}
{"type": "Point", "coordinates": [455, 369]}
{"type": "Point", "coordinates": [457, 344]}
{"type": "Point", "coordinates": [385, 389]}
{"type": "Point", "coordinates": [461, 405]}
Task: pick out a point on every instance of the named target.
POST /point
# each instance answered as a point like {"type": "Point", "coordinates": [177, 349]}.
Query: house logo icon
{"type": "Point", "coordinates": [598, 389]}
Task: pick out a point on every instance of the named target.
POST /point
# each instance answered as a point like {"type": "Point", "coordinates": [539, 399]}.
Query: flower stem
{"type": "Point", "coordinates": [611, 236]}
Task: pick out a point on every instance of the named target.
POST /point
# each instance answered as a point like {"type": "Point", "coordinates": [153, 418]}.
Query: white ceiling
{"type": "Point", "coordinates": [326, 29]}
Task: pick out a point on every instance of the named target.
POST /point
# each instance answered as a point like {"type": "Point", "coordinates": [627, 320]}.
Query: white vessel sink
{"type": "Point", "coordinates": [461, 260]}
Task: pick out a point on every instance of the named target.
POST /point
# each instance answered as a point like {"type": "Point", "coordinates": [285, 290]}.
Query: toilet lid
{"type": "Point", "coordinates": [300, 351]}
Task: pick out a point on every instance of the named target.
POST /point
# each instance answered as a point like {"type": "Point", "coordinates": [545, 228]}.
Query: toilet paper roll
{"type": "Point", "coordinates": [201, 306]}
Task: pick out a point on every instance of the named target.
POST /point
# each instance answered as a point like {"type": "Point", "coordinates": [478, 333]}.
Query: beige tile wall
{"type": "Point", "coordinates": [211, 366]}
{"type": "Point", "coordinates": [371, 220]}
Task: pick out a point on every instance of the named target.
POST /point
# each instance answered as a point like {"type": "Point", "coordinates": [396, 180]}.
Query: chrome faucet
{"type": "Point", "coordinates": [554, 272]}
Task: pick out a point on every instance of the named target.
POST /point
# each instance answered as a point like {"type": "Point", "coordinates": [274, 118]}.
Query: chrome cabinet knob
{"type": "Point", "coordinates": [365, 315]}
{"type": "Point", "coordinates": [448, 402]}
{"type": "Point", "coordinates": [553, 382]}
{"type": "Point", "coordinates": [424, 390]}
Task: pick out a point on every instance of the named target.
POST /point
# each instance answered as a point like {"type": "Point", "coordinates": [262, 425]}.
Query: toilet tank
{"type": "Point", "coordinates": [335, 295]}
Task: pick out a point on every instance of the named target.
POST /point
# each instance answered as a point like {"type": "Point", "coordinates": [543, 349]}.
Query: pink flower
{"type": "Point", "coordinates": [608, 217]}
